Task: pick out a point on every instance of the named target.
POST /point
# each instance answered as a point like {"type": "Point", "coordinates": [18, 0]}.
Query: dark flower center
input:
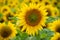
{"type": "Point", "coordinates": [46, 3]}
{"type": "Point", "coordinates": [5, 32]}
{"type": "Point", "coordinates": [49, 12]}
{"type": "Point", "coordinates": [36, 2]}
{"type": "Point", "coordinates": [30, 1]}
{"type": "Point", "coordinates": [55, 3]}
{"type": "Point", "coordinates": [1, 20]}
{"type": "Point", "coordinates": [58, 29]}
{"type": "Point", "coordinates": [33, 17]}
{"type": "Point", "coordinates": [4, 10]}
{"type": "Point", "coordinates": [9, 16]}
{"type": "Point", "coordinates": [58, 38]}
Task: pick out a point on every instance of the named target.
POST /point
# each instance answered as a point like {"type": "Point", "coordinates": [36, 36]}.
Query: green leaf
{"type": "Point", "coordinates": [50, 19]}
{"type": "Point", "coordinates": [34, 38]}
{"type": "Point", "coordinates": [18, 35]}
{"type": "Point", "coordinates": [1, 15]}
{"type": "Point", "coordinates": [21, 36]}
{"type": "Point", "coordinates": [24, 36]}
{"type": "Point", "coordinates": [15, 18]}
{"type": "Point", "coordinates": [45, 34]}
{"type": "Point", "coordinates": [37, 37]}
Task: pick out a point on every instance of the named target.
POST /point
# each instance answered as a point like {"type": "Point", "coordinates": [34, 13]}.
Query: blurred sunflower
{"type": "Point", "coordinates": [55, 26]}
{"type": "Point", "coordinates": [13, 3]}
{"type": "Point", "coordinates": [32, 18]}
{"type": "Point", "coordinates": [55, 37]}
{"type": "Point", "coordinates": [52, 11]}
{"type": "Point", "coordinates": [7, 31]}
{"type": "Point", "coordinates": [46, 2]}
{"type": "Point", "coordinates": [54, 2]}
{"type": "Point", "coordinates": [1, 20]}
{"type": "Point", "coordinates": [9, 17]}
{"type": "Point", "coordinates": [33, 1]}
{"type": "Point", "coordinates": [5, 10]}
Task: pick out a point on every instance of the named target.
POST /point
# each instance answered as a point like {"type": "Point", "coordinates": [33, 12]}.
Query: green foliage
{"type": "Point", "coordinates": [20, 36]}
{"type": "Point", "coordinates": [50, 19]}
{"type": "Point", "coordinates": [1, 15]}
{"type": "Point", "coordinates": [15, 20]}
{"type": "Point", "coordinates": [44, 34]}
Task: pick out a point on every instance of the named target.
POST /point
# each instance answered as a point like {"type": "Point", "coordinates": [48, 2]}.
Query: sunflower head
{"type": "Point", "coordinates": [1, 20]}
{"type": "Point", "coordinates": [54, 2]}
{"type": "Point", "coordinates": [55, 26]}
{"type": "Point", "coordinates": [5, 10]}
{"type": "Point", "coordinates": [58, 28]}
{"type": "Point", "coordinates": [32, 18]}
{"type": "Point", "coordinates": [52, 11]}
{"type": "Point", "coordinates": [7, 31]}
{"type": "Point", "coordinates": [56, 37]}
{"type": "Point", "coordinates": [46, 2]}
{"type": "Point", "coordinates": [12, 4]}
{"type": "Point", "coordinates": [9, 17]}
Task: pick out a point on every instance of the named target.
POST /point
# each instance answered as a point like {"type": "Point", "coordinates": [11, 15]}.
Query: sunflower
{"type": "Point", "coordinates": [13, 3]}
{"type": "Point", "coordinates": [55, 37]}
{"type": "Point", "coordinates": [5, 10]}
{"type": "Point", "coordinates": [7, 31]}
{"type": "Point", "coordinates": [9, 17]}
{"type": "Point", "coordinates": [46, 2]}
{"type": "Point", "coordinates": [52, 11]}
{"type": "Point", "coordinates": [32, 18]}
{"type": "Point", "coordinates": [33, 1]}
{"type": "Point", "coordinates": [55, 26]}
{"type": "Point", "coordinates": [54, 2]}
{"type": "Point", "coordinates": [39, 1]}
{"type": "Point", "coordinates": [57, 12]}
{"type": "Point", "coordinates": [1, 20]}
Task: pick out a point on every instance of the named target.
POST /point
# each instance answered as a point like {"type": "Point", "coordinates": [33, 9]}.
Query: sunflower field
{"type": "Point", "coordinates": [29, 19]}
